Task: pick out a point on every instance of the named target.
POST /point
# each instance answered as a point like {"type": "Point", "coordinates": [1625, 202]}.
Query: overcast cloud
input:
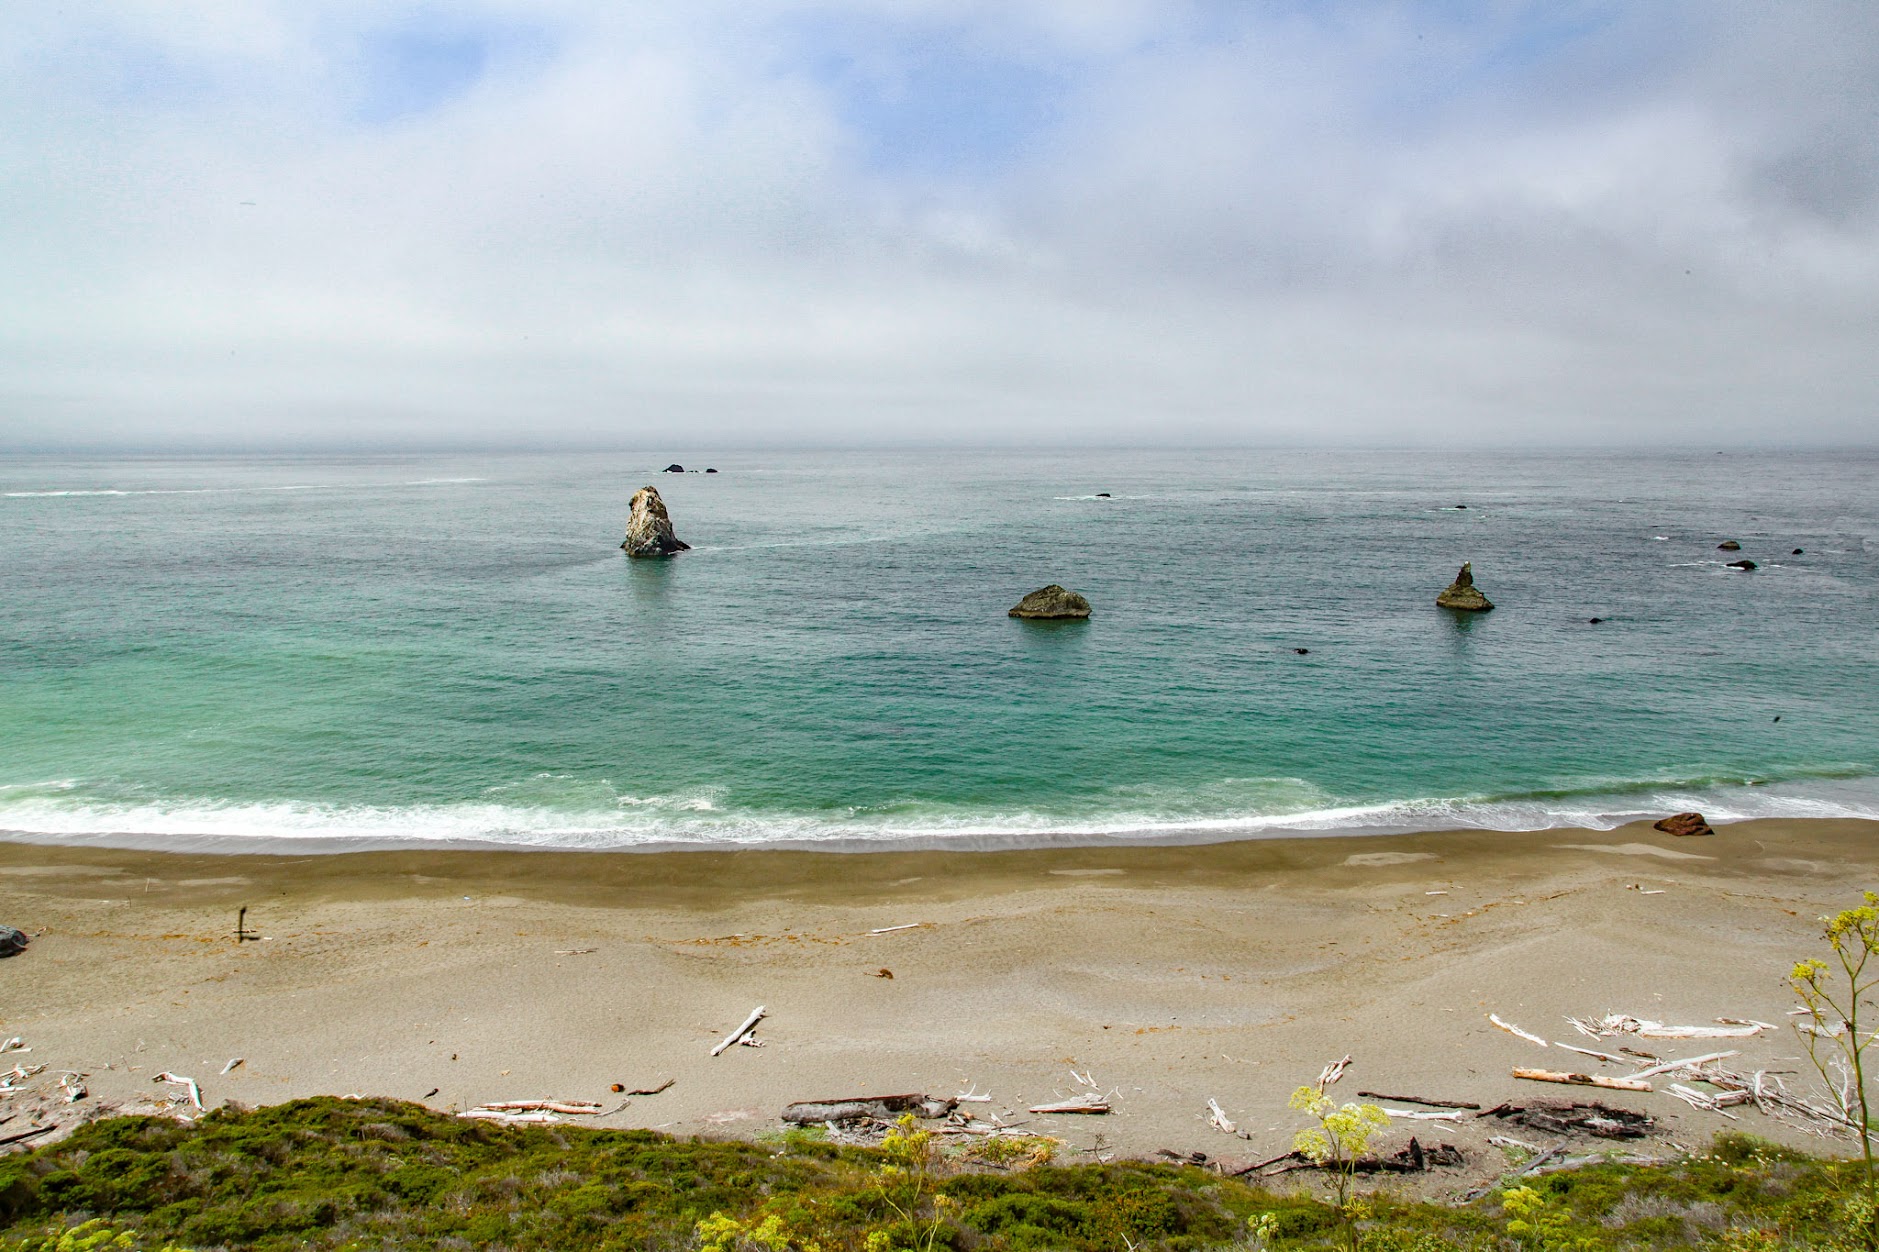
{"type": "Point", "coordinates": [815, 220]}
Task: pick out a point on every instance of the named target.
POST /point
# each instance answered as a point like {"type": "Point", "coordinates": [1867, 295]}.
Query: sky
{"type": "Point", "coordinates": [603, 223]}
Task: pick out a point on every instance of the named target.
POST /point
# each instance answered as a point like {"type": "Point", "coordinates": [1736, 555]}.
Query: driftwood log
{"type": "Point", "coordinates": [1583, 1080]}
{"type": "Point", "coordinates": [867, 1108]}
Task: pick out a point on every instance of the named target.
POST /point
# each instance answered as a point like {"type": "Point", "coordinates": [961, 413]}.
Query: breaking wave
{"type": "Point", "coordinates": [555, 812]}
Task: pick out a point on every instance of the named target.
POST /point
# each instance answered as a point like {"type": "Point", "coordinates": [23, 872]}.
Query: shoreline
{"type": "Point", "coordinates": [1852, 797]}
{"type": "Point", "coordinates": [1172, 974]}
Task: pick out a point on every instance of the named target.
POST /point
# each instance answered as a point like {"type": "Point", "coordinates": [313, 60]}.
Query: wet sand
{"type": "Point", "coordinates": [1167, 975]}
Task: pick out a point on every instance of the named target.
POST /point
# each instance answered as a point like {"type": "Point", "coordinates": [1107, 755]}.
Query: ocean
{"type": "Point", "coordinates": [272, 652]}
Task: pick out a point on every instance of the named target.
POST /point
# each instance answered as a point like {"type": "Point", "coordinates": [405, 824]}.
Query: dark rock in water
{"type": "Point", "coordinates": [1302, 651]}
{"type": "Point", "coordinates": [1461, 506]}
{"type": "Point", "coordinates": [1728, 545]}
{"type": "Point", "coordinates": [1797, 552]}
{"type": "Point", "coordinates": [1594, 620]}
{"type": "Point", "coordinates": [1102, 495]}
{"type": "Point", "coordinates": [12, 942]}
{"type": "Point", "coordinates": [1743, 564]}
{"type": "Point", "coordinates": [649, 529]}
{"type": "Point", "coordinates": [711, 471]}
{"type": "Point", "coordinates": [1463, 594]}
{"type": "Point", "coordinates": [674, 468]}
{"type": "Point", "coordinates": [1684, 824]}
{"type": "Point", "coordinates": [1051, 603]}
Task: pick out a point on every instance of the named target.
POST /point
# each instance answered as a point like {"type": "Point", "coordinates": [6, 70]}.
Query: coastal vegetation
{"type": "Point", "coordinates": [374, 1173]}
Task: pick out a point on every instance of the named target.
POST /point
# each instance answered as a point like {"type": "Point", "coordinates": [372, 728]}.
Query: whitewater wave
{"type": "Point", "coordinates": [55, 493]}
{"type": "Point", "coordinates": [162, 491]}
{"type": "Point", "coordinates": [554, 812]}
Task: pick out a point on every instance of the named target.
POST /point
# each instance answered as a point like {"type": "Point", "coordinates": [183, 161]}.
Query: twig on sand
{"type": "Point", "coordinates": [1405, 1099]}
{"type": "Point", "coordinates": [1512, 1029]}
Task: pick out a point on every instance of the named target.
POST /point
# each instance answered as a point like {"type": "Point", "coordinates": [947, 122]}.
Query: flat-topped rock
{"type": "Point", "coordinates": [1052, 603]}
{"type": "Point", "coordinates": [1463, 594]}
{"type": "Point", "coordinates": [649, 527]}
{"type": "Point", "coordinates": [1684, 824]}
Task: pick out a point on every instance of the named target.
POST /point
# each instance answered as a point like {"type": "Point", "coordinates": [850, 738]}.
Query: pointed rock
{"type": "Point", "coordinates": [1051, 603]}
{"type": "Point", "coordinates": [649, 529]}
{"type": "Point", "coordinates": [1463, 594]}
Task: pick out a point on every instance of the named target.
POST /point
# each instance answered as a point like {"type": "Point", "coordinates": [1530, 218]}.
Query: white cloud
{"type": "Point", "coordinates": [569, 222]}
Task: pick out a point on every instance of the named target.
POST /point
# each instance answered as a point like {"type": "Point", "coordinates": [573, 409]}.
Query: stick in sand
{"type": "Point", "coordinates": [737, 1036]}
{"type": "Point", "coordinates": [1434, 1104]}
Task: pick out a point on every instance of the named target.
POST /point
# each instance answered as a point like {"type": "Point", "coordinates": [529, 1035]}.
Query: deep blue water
{"type": "Point", "coordinates": [453, 648]}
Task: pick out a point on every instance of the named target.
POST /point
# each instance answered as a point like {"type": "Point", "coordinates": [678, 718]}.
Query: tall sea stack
{"type": "Point", "coordinates": [649, 529]}
{"type": "Point", "coordinates": [1463, 594]}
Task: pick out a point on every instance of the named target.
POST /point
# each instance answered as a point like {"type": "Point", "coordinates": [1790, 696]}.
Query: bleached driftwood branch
{"type": "Point", "coordinates": [1664, 1067]}
{"type": "Point", "coordinates": [1332, 1072]}
{"type": "Point", "coordinates": [195, 1092]}
{"type": "Point", "coordinates": [737, 1036]}
{"type": "Point", "coordinates": [1091, 1103]}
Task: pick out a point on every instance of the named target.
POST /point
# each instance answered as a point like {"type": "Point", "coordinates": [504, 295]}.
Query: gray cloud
{"type": "Point", "coordinates": [1594, 222]}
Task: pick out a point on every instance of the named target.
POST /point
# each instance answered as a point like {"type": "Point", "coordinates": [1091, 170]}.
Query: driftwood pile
{"type": "Point", "coordinates": [1413, 1159]}
{"type": "Point", "coordinates": [1561, 1117]}
{"type": "Point", "coordinates": [867, 1109]}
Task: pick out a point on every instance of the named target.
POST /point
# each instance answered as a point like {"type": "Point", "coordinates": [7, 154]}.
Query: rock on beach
{"type": "Point", "coordinates": [1462, 594]}
{"type": "Point", "coordinates": [12, 941]}
{"type": "Point", "coordinates": [649, 527]}
{"type": "Point", "coordinates": [1684, 824]}
{"type": "Point", "coordinates": [1052, 603]}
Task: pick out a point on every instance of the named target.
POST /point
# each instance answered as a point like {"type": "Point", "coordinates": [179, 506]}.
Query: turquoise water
{"type": "Point", "coordinates": [452, 648]}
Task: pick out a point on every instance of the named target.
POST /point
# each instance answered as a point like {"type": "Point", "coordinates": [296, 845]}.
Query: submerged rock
{"type": "Point", "coordinates": [674, 468]}
{"type": "Point", "coordinates": [1728, 545]}
{"type": "Point", "coordinates": [1684, 824]}
{"type": "Point", "coordinates": [649, 529]}
{"type": "Point", "coordinates": [1052, 602]}
{"type": "Point", "coordinates": [12, 942]}
{"type": "Point", "coordinates": [1463, 594]}
{"type": "Point", "coordinates": [1744, 563]}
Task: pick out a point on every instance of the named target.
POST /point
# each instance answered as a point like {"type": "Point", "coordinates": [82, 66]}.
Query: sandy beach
{"type": "Point", "coordinates": [1169, 976]}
